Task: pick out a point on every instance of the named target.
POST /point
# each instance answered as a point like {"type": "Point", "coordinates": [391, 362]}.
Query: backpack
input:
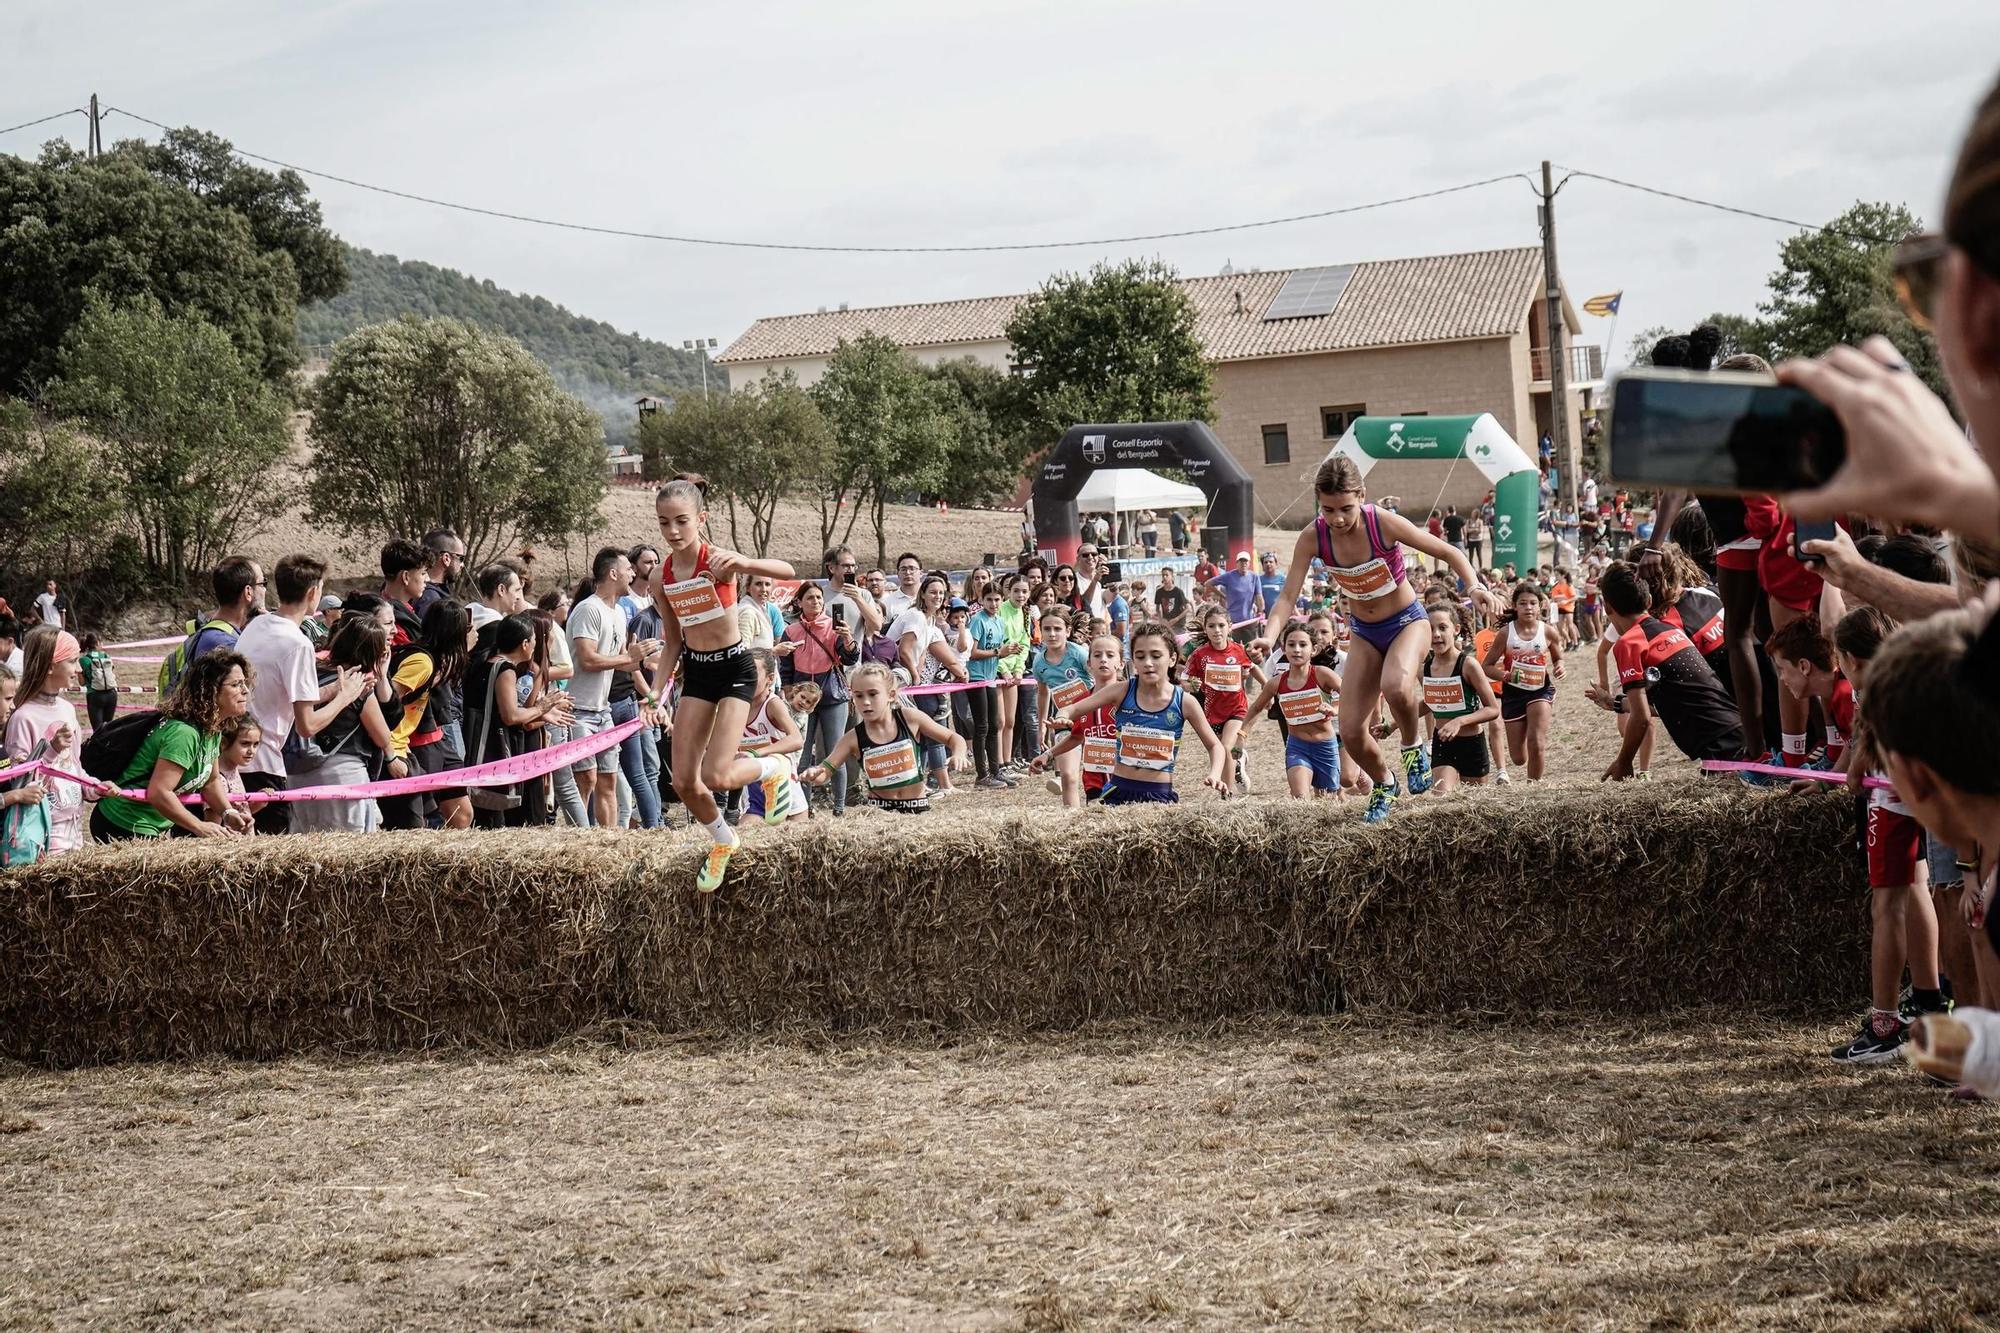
{"type": "Point", "coordinates": [176, 664]}
{"type": "Point", "coordinates": [109, 752]}
{"type": "Point", "coordinates": [24, 829]}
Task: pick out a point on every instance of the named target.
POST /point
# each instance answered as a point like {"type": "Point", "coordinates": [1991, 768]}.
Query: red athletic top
{"type": "Point", "coordinates": [1223, 675]}
{"type": "Point", "coordinates": [1100, 727]}
{"type": "Point", "coordinates": [1840, 720]}
{"type": "Point", "coordinates": [725, 589]}
{"type": "Point", "coordinates": [1787, 580]}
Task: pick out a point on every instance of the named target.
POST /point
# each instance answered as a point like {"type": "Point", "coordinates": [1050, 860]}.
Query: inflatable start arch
{"type": "Point", "coordinates": [1188, 445]}
{"type": "Point", "coordinates": [1479, 440]}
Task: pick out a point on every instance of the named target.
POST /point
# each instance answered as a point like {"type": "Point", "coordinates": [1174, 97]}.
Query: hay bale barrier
{"type": "Point", "coordinates": [1638, 899]}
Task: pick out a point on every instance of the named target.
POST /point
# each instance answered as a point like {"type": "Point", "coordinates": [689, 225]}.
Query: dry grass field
{"type": "Point", "coordinates": [1382, 1171]}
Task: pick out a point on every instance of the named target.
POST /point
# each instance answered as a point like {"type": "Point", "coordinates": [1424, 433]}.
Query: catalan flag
{"type": "Point", "coordinates": [1601, 306]}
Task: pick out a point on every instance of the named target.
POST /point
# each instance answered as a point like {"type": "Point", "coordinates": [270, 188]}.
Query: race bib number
{"type": "Point", "coordinates": [1302, 708]}
{"type": "Point", "coordinates": [693, 601]}
{"type": "Point", "coordinates": [1224, 677]}
{"type": "Point", "coordinates": [1344, 638]}
{"type": "Point", "coordinates": [1528, 673]}
{"type": "Point", "coordinates": [1100, 754]}
{"type": "Point", "coordinates": [1069, 692]}
{"type": "Point", "coordinates": [1366, 582]}
{"type": "Point", "coordinates": [1146, 747]}
{"type": "Point", "coordinates": [890, 766]}
{"type": "Point", "coordinates": [1444, 694]}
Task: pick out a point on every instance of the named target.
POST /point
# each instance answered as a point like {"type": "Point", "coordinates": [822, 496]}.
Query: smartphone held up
{"type": "Point", "coordinates": [1719, 432]}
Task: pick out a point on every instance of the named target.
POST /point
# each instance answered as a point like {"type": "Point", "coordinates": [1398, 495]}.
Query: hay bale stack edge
{"type": "Point", "coordinates": [1636, 899]}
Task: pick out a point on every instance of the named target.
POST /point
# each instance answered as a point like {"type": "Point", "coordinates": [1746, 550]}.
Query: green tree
{"type": "Point", "coordinates": [891, 433]}
{"type": "Point", "coordinates": [1831, 288]}
{"type": "Point", "coordinates": [423, 423]}
{"type": "Point", "coordinates": [755, 446]}
{"type": "Point", "coordinates": [72, 227]}
{"type": "Point", "coordinates": [57, 498]}
{"type": "Point", "coordinates": [191, 432]}
{"type": "Point", "coordinates": [1117, 344]}
{"type": "Point", "coordinates": [281, 213]}
{"type": "Point", "coordinates": [990, 442]}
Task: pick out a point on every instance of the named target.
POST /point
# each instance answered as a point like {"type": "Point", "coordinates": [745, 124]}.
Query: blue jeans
{"type": "Point", "coordinates": [632, 761]}
{"type": "Point", "coordinates": [824, 728]}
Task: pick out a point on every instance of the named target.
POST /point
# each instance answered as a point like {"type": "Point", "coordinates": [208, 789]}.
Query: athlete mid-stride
{"type": "Point", "coordinates": [1361, 547]}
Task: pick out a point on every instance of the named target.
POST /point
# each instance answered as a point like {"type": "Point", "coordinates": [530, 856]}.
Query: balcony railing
{"type": "Point", "coordinates": [1586, 362]}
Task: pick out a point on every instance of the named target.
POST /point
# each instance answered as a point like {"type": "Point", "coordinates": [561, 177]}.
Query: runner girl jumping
{"type": "Point", "coordinates": [704, 647]}
{"type": "Point", "coordinates": [1361, 547]}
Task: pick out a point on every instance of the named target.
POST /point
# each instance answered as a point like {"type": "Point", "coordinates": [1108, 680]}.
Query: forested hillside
{"type": "Point", "coordinates": [590, 358]}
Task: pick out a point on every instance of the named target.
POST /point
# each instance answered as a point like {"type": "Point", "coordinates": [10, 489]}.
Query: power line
{"type": "Point", "coordinates": [848, 249]}
{"type": "Point", "coordinates": [1863, 237]}
{"type": "Point", "coordinates": [30, 124]}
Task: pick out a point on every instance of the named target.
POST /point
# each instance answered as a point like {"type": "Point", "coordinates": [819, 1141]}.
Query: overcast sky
{"type": "Point", "coordinates": [979, 122]}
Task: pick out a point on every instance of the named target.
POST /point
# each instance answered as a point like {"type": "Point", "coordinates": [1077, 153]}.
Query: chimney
{"type": "Point", "coordinates": [822, 310]}
{"type": "Point", "coordinates": [843, 305]}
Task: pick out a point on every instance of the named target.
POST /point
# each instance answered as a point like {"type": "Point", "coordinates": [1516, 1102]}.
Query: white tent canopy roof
{"type": "Point", "coordinates": [1120, 489]}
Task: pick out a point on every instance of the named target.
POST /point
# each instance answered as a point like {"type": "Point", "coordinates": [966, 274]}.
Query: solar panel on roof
{"type": "Point", "coordinates": [1310, 291]}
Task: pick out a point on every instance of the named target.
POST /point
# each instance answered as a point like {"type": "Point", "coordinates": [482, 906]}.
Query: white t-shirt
{"type": "Point", "coordinates": [927, 632]}
{"type": "Point", "coordinates": [895, 602]}
{"type": "Point", "coordinates": [604, 625]}
{"type": "Point", "coordinates": [51, 613]}
{"type": "Point", "coordinates": [285, 674]}
{"type": "Point", "coordinates": [14, 664]}
{"type": "Point", "coordinates": [482, 615]}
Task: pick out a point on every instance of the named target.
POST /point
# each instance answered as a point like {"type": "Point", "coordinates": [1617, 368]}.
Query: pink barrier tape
{"type": "Point", "coordinates": [147, 643]}
{"type": "Point", "coordinates": [121, 689]}
{"type": "Point", "coordinates": [121, 657]}
{"type": "Point", "coordinates": [1777, 771]}
{"type": "Point", "coordinates": [954, 686]}
{"type": "Point", "coordinates": [32, 766]}
{"type": "Point", "coordinates": [498, 773]}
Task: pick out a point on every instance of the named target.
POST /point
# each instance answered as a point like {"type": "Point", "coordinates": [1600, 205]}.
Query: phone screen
{"type": "Point", "coordinates": [1721, 433]}
{"type": "Point", "coordinates": [1810, 532]}
{"type": "Point", "coordinates": [839, 613]}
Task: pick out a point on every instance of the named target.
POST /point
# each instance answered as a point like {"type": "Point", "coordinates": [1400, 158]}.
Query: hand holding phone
{"type": "Point", "coordinates": [1811, 532]}
{"type": "Point", "coordinates": [1720, 432]}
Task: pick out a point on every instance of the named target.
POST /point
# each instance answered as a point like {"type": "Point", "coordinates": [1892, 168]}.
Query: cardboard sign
{"type": "Point", "coordinates": [1302, 708]}
{"type": "Point", "coordinates": [890, 765]}
{"type": "Point", "coordinates": [1444, 694]}
{"type": "Point", "coordinates": [1146, 747]}
{"type": "Point", "coordinates": [1100, 754]}
{"type": "Point", "coordinates": [693, 601]}
{"type": "Point", "coordinates": [1366, 582]}
{"type": "Point", "coordinates": [1069, 692]}
{"type": "Point", "coordinates": [1223, 677]}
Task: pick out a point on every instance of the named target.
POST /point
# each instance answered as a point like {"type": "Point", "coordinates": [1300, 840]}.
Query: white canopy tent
{"type": "Point", "coordinates": [1117, 490]}
{"type": "Point", "coordinates": [1123, 491]}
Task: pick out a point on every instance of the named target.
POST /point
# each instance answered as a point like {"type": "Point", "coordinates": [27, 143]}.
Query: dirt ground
{"type": "Point", "coordinates": [1384, 1172]}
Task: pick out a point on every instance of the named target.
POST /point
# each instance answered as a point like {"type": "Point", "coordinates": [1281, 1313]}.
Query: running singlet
{"type": "Point", "coordinates": [1305, 705]}
{"type": "Point", "coordinates": [1376, 577]}
{"type": "Point", "coordinates": [1698, 614]}
{"type": "Point", "coordinates": [699, 598]}
{"type": "Point", "coordinates": [891, 764]}
{"type": "Point", "coordinates": [1699, 714]}
{"type": "Point", "coordinates": [1527, 659]}
{"type": "Point", "coordinates": [1100, 746]}
{"type": "Point", "coordinates": [1146, 739]}
{"type": "Point", "coordinates": [1446, 696]}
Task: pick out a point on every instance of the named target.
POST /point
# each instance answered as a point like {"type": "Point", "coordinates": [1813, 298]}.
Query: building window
{"type": "Point", "coordinates": [1277, 445]}
{"type": "Point", "coordinates": [1334, 421]}
{"type": "Point", "coordinates": [1416, 414]}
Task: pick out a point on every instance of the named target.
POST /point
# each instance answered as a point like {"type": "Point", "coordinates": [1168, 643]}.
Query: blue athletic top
{"type": "Point", "coordinates": [1074, 664]}
{"type": "Point", "coordinates": [987, 632]}
{"type": "Point", "coordinates": [1166, 722]}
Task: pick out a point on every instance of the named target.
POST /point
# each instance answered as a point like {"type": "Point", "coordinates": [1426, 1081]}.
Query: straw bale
{"type": "Point", "coordinates": [1637, 899]}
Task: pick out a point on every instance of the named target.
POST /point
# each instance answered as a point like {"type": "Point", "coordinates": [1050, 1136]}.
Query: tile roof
{"type": "Point", "coordinates": [1441, 298]}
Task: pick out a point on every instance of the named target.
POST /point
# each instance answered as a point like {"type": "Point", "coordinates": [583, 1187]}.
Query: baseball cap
{"type": "Point", "coordinates": [329, 603]}
{"type": "Point", "coordinates": [956, 604]}
{"type": "Point", "coordinates": [1242, 555]}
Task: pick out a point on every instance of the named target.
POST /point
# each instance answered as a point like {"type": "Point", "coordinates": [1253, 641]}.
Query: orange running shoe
{"type": "Point", "coordinates": [710, 878]}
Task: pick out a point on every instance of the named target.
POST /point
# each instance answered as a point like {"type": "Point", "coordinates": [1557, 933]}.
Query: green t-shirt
{"type": "Point", "coordinates": [97, 670]}
{"type": "Point", "coordinates": [177, 743]}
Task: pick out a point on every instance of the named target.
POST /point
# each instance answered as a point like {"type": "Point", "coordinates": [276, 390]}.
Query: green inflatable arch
{"type": "Point", "coordinates": [1481, 441]}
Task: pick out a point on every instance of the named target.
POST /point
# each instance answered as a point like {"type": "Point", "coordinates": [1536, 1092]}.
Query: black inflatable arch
{"type": "Point", "coordinates": [1188, 445]}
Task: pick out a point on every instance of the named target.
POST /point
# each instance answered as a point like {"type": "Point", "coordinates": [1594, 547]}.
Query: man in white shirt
{"type": "Point", "coordinates": [909, 574]}
{"type": "Point", "coordinates": [53, 606]}
{"type": "Point", "coordinates": [285, 694]}
{"type": "Point", "coordinates": [598, 642]}
{"type": "Point", "coordinates": [499, 593]}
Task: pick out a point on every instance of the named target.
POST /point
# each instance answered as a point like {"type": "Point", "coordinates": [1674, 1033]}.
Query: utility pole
{"type": "Point", "coordinates": [96, 145]}
{"type": "Point", "coordinates": [1562, 428]}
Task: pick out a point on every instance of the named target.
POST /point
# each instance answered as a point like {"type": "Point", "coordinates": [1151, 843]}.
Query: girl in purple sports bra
{"type": "Point", "coordinates": [1362, 549]}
